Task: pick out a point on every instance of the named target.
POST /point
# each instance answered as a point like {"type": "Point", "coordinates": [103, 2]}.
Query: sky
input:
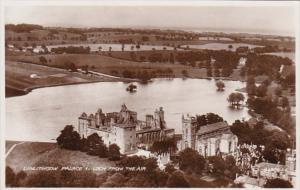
{"type": "Point", "coordinates": [252, 19]}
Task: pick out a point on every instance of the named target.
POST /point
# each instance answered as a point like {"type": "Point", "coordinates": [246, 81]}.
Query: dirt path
{"type": "Point", "coordinates": [12, 148]}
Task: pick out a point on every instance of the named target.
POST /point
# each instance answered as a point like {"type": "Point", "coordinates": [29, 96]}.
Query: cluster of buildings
{"type": "Point", "coordinates": [209, 140]}
{"type": "Point", "coordinates": [258, 170]}
{"type": "Point", "coordinates": [124, 129]}
{"type": "Point", "coordinates": [26, 49]}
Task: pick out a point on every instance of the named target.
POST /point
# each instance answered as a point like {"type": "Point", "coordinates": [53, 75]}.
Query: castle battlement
{"type": "Point", "coordinates": [124, 129]}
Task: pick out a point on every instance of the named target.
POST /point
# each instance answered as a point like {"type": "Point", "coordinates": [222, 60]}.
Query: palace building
{"type": "Point", "coordinates": [208, 140]}
{"type": "Point", "coordinates": [124, 129]}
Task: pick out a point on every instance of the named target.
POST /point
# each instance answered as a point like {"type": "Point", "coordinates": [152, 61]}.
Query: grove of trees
{"type": "Point", "coordinates": [235, 98]}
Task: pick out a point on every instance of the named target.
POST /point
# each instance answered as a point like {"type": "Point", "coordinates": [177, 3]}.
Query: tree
{"type": "Point", "coordinates": [171, 59]}
{"type": "Point", "coordinates": [187, 159]}
{"type": "Point", "coordinates": [169, 168]}
{"type": "Point", "coordinates": [278, 91]}
{"type": "Point", "coordinates": [235, 98]}
{"type": "Point", "coordinates": [70, 66]}
{"type": "Point", "coordinates": [184, 73]}
{"type": "Point", "coordinates": [34, 45]}
{"type": "Point", "coordinates": [261, 90]}
{"type": "Point", "coordinates": [278, 183]}
{"type": "Point", "coordinates": [96, 146]}
{"type": "Point", "coordinates": [220, 85]}
{"type": "Point", "coordinates": [138, 46]}
{"type": "Point", "coordinates": [114, 152]}
{"type": "Point", "coordinates": [213, 118]}
{"type": "Point", "coordinates": [201, 120]}
{"type": "Point", "coordinates": [43, 60]}
{"type": "Point", "coordinates": [128, 74]}
{"type": "Point", "coordinates": [218, 165]}
{"type": "Point", "coordinates": [216, 72]}
{"type": "Point", "coordinates": [164, 146]}
{"type": "Point", "coordinates": [250, 86]}
{"type": "Point", "coordinates": [177, 179]}
{"type": "Point", "coordinates": [20, 176]}
{"type": "Point", "coordinates": [266, 82]}
{"type": "Point", "coordinates": [10, 177]}
{"type": "Point", "coordinates": [285, 103]}
{"type": "Point", "coordinates": [115, 180]}
{"type": "Point", "coordinates": [209, 72]}
{"type": "Point", "coordinates": [69, 139]}
{"type": "Point", "coordinates": [145, 38]}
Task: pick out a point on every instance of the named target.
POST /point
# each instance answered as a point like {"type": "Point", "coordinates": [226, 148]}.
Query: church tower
{"type": "Point", "coordinates": [189, 131]}
{"type": "Point", "coordinates": [159, 118]}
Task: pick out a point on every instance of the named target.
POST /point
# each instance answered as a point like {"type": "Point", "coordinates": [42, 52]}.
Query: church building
{"type": "Point", "coordinates": [209, 140]}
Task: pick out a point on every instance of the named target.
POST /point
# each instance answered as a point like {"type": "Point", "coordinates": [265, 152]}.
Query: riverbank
{"type": "Point", "coordinates": [21, 78]}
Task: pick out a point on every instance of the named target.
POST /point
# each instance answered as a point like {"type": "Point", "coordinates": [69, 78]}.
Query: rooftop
{"type": "Point", "coordinates": [212, 127]}
{"type": "Point", "coordinates": [124, 125]}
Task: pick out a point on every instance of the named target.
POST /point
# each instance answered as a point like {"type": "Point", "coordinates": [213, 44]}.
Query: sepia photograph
{"type": "Point", "coordinates": [172, 95]}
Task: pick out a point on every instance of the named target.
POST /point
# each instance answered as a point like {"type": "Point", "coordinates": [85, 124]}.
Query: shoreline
{"type": "Point", "coordinates": [25, 91]}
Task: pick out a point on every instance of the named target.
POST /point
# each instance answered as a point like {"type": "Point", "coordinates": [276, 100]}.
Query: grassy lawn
{"type": "Point", "coordinates": [111, 65]}
{"type": "Point", "coordinates": [9, 144]}
{"type": "Point", "coordinates": [106, 64]}
{"type": "Point", "coordinates": [18, 76]}
{"type": "Point", "coordinates": [32, 154]}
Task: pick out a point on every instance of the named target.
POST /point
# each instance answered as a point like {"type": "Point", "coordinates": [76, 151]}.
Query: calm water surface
{"type": "Point", "coordinates": [222, 46]}
{"type": "Point", "coordinates": [41, 114]}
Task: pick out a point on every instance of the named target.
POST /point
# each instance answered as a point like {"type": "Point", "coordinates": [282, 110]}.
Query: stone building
{"type": "Point", "coordinates": [208, 140]}
{"type": "Point", "coordinates": [287, 172]}
{"type": "Point", "coordinates": [269, 170]}
{"type": "Point", "coordinates": [124, 129]}
{"type": "Point", "coordinates": [114, 128]}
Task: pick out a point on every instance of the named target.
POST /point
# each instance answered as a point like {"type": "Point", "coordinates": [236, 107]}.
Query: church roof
{"type": "Point", "coordinates": [212, 128]}
{"type": "Point", "coordinates": [125, 125]}
{"type": "Point", "coordinates": [227, 136]}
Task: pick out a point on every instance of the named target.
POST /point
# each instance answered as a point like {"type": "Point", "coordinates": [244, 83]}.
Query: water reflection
{"type": "Point", "coordinates": [41, 114]}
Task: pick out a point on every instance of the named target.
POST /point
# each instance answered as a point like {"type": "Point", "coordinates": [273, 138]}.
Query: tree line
{"type": "Point", "coordinates": [92, 145]}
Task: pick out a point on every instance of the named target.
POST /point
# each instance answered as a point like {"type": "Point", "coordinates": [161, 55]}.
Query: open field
{"type": "Point", "coordinates": [106, 64]}
{"type": "Point", "coordinates": [33, 154]}
{"type": "Point", "coordinates": [24, 73]}
{"type": "Point", "coordinates": [22, 77]}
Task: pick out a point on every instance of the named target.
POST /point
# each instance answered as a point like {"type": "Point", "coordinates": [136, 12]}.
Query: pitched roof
{"type": "Point", "coordinates": [212, 127]}
{"type": "Point", "coordinates": [227, 136]}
